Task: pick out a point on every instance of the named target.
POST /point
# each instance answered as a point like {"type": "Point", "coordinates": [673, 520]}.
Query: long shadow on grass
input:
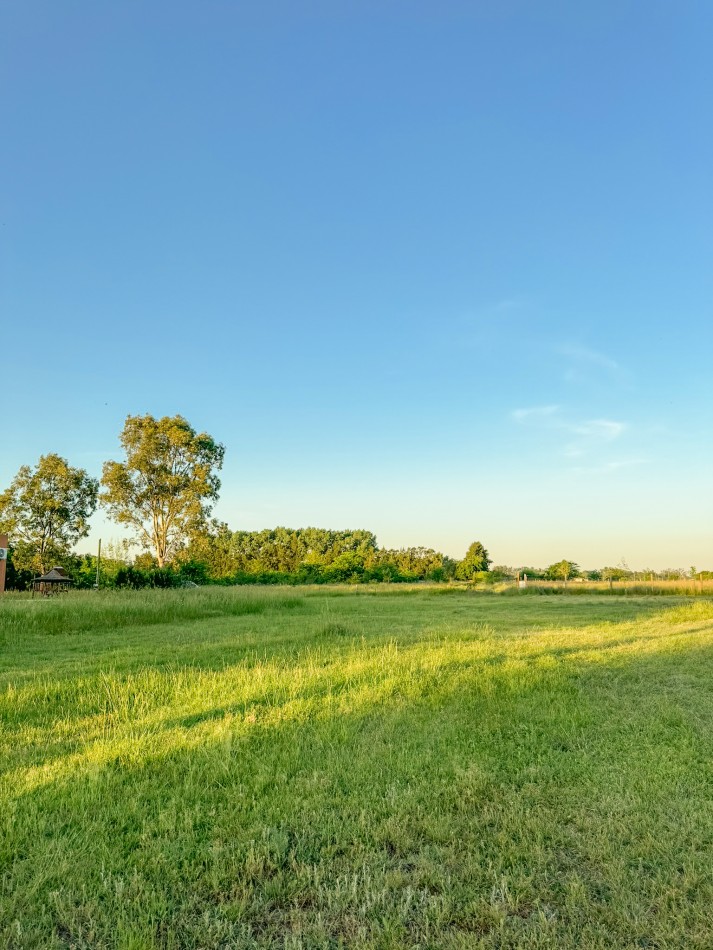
{"type": "Point", "coordinates": [335, 693]}
{"type": "Point", "coordinates": [118, 708]}
{"type": "Point", "coordinates": [112, 707]}
{"type": "Point", "coordinates": [375, 822]}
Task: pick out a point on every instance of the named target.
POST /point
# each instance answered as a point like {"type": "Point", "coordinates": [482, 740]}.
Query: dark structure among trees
{"type": "Point", "coordinates": [53, 582]}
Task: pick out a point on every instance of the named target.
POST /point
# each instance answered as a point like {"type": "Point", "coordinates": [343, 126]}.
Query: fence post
{"type": "Point", "coordinates": [3, 561]}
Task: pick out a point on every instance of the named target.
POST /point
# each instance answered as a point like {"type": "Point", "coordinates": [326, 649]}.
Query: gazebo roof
{"type": "Point", "coordinates": [56, 575]}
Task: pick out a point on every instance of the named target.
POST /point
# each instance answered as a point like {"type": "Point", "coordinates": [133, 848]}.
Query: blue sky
{"type": "Point", "coordinates": [439, 270]}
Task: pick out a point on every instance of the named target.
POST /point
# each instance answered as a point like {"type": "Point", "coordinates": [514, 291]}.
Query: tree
{"type": "Point", "coordinates": [45, 511]}
{"type": "Point", "coordinates": [17, 578]}
{"type": "Point", "coordinates": [615, 574]}
{"type": "Point", "coordinates": [166, 487]}
{"type": "Point", "coordinates": [562, 571]}
{"type": "Point", "coordinates": [476, 560]}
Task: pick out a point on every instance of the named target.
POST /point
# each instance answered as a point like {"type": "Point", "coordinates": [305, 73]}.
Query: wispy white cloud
{"type": "Point", "coordinates": [587, 365]}
{"type": "Point", "coordinates": [584, 436]}
{"type": "Point", "coordinates": [584, 354]}
{"type": "Point", "coordinates": [591, 434]}
{"type": "Point", "coordinates": [608, 468]}
{"type": "Point", "coordinates": [624, 463]}
{"type": "Point", "coordinates": [534, 412]}
{"type": "Point", "coordinates": [606, 429]}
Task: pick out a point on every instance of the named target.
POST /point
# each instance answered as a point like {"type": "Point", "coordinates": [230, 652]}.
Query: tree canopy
{"type": "Point", "coordinates": [165, 488]}
{"type": "Point", "coordinates": [562, 571]}
{"type": "Point", "coordinates": [476, 560]}
{"type": "Point", "coordinates": [314, 554]}
{"type": "Point", "coordinates": [46, 510]}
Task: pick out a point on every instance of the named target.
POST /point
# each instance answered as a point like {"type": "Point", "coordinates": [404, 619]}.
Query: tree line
{"type": "Point", "coordinates": [162, 494]}
{"type": "Point", "coordinates": [568, 570]}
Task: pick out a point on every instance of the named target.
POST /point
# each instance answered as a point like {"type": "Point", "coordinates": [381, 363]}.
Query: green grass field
{"type": "Point", "coordinates": [360, 768]}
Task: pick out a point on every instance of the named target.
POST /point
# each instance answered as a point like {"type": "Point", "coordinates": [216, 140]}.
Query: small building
{"type": "Point", "coordinates": [53, 582]}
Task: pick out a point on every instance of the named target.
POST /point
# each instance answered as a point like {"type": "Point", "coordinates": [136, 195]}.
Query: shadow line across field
{"type": "Point", "coordinates": [131, 713]}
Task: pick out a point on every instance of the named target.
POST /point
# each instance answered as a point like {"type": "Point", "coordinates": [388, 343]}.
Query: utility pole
{"type": "Point", "coordinates": [99, 558]}
{"type": "Point", "coordinates": [3, 560]}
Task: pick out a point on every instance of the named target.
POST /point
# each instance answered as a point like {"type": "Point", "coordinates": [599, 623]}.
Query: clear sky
{"type": "Point", "coordinates": [440, 270]}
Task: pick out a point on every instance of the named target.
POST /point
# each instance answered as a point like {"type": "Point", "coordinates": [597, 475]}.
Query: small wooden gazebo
{"type": "Point", "coordinates": [53, 582]}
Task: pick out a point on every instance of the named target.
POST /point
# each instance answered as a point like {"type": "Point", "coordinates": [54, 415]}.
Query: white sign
{"type": "Point", "coordinates": [3, 554]}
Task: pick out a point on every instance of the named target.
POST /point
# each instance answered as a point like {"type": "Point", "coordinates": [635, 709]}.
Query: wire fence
{"type": "Point", "coordinates": [683, 587]}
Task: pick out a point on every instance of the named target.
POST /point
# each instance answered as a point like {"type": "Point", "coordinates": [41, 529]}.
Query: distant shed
{"type": "Point", "coordinates": [53, 582]}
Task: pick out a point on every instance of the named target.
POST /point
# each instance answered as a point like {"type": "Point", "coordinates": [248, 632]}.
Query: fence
{"type": "Point", "coordinates": [682, 587]}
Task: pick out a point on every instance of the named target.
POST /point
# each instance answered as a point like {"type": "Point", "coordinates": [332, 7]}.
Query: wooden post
{"type": "Point", "coordinates": [3, 561]}
{"type": "Point", "coordinates": [99, 558]}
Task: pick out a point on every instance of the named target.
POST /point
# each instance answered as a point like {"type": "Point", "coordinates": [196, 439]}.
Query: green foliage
{"type": "Point", "coordinates": [532, 573]}
{"type": "Point", "coordinates": [673, 574]}
{"type": "Point", "coordinates": [308, 555]}
{"type": "Point", "coordinates": [449, 566]}
{"type": "Point", "coordinates": [137, 578]}
{"type": "Point", "coordinates": [562, 571]}
{"type": "Point", "coordinates": [195, 572]}
{"type": "Point", "coordinates": [285, 550]}
{"type": "Point", "coordinates": [145, 561]}
{"type": "Point", "coordinates": [45, 511]}
{"type": "Point", "coordinates": [615, 573]}
{"type": "Point", "coordinates": [416, 563]}
{"type": "Point", "coordinates": [165, 488]}
{"type": "Point", "coordinates": [83, 570]}
{"type": "Point", "coordinates": [475, 562]}
{"type": "Point", "coordinates": [501, 572]}
{"type": "Point", "coordinates": [16, 578]}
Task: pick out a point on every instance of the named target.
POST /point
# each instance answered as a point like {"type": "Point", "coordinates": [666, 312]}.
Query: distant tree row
{"type": "Point", "coordinates": [315, 555]}
{"type": "Point", "coordinates": [163, 492]}
{"type": "Point", "coordinates": [277, 556]}
{"type": "Point", "coordinates": [567, 570]}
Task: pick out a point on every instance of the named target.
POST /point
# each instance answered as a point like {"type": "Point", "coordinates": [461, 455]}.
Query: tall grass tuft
{"type": "Point", "coordinates": [83, 611]}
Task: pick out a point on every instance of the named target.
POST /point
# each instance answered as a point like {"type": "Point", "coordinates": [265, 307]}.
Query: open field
{"type": "Point", "coordinates": [382, 768]}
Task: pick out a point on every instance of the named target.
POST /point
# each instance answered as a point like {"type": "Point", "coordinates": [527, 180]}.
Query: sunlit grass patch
{"type": "Point", "coordinates": [371, 771]}
{"type": "Point", "coordinates": [89, 611]}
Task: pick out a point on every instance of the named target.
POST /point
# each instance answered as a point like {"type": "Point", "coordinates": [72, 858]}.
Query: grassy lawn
{"type": "Point", "coordinates": [359, 768]}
